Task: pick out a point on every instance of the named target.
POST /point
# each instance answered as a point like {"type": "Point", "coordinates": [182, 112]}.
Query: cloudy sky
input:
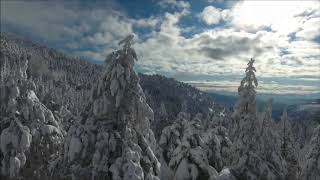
{"type": "Point", "coordinates": [207, 43]}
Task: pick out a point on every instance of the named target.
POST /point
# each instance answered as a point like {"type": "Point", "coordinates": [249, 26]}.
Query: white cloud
{"type": "Point", "coordinates": [226, 51]}
{"type": "Point", "coordinates": [175, 3]}
{"type": "Point", "coordinates": [212, 15]}
{"type": "Point", "coordinates": [310, 29]}
{"type": "Point", "coordinates": [146, 22]}
{"type": "Point", "coordinates": [70, 24]}
{"type": "Point", "coordinates": [284, 17]}
{"type": "Point", "coordinates": [36, 17]}
{"type": "Point", "coordinates": [55, 21]}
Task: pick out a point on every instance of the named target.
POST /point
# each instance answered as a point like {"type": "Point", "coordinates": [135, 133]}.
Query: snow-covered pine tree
{"type": "Point", "coordinates": [247, 94]}
{"type": "Point", "coordinates": [31, 135]}
{"type": "Point", "coordinates": [244, 115]}
{"type": "Point", "coordinates": [288, 147]}
{"type": "Point", "coordinates": [311, 160]}
{"type": "Point", "coordinates": [163, 120]}
{"type": "Point", "coordinates": [184, 151]}
{"type": "Point", "coordinates": [113, 139]}
{"type": "Point", "coordinates": [190, 150]}
{"type": "Point", "coordinates": [256, 145]}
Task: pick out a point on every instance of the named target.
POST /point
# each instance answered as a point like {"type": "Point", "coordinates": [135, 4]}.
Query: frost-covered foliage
{"type": "Point", "coordinates": [289, 148]}
{"type": "Point", "coordinates": [304, 119]}
{"type": "Point", "coordinates": [113, 139]}
{"type": "Point", "coordinates": [31, 135]}
{"type": "Point", "coordinates": [220, 146]}
{"type": "Point", "coordinates": [311, 161]}
{"type": "Point", "coordinates": [189, 151]}
{"type": "Point", "coordinates": [61, 80]}
{"type": "Point", "coordinates": [185, 151]}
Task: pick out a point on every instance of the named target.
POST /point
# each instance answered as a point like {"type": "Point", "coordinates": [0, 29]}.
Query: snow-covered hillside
{"type": "Point", "coordinates": [58, 75]}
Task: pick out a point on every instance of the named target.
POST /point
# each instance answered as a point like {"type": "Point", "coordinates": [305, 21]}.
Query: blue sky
{"type": "Point", "coordinates": [206, 43]}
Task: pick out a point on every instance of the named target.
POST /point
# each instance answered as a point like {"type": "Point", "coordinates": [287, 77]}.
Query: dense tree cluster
{"type": "Point", "coordinates": [32, 135]}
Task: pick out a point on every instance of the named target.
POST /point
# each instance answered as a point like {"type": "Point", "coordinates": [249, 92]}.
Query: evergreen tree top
{"type": "Point", "coordinates": [250, 77]}
{"type": "Point", "coordinates": [127, 42]}
{"type": "Point", "coordinates": [250, 65]}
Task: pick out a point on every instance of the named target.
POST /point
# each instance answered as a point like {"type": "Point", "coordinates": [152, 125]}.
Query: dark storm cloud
{"type": "Point", "coordinates": [222, 47]}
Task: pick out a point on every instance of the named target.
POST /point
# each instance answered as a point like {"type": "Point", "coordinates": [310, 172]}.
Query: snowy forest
{"type": "Point", "coordinates": [65, 118]}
